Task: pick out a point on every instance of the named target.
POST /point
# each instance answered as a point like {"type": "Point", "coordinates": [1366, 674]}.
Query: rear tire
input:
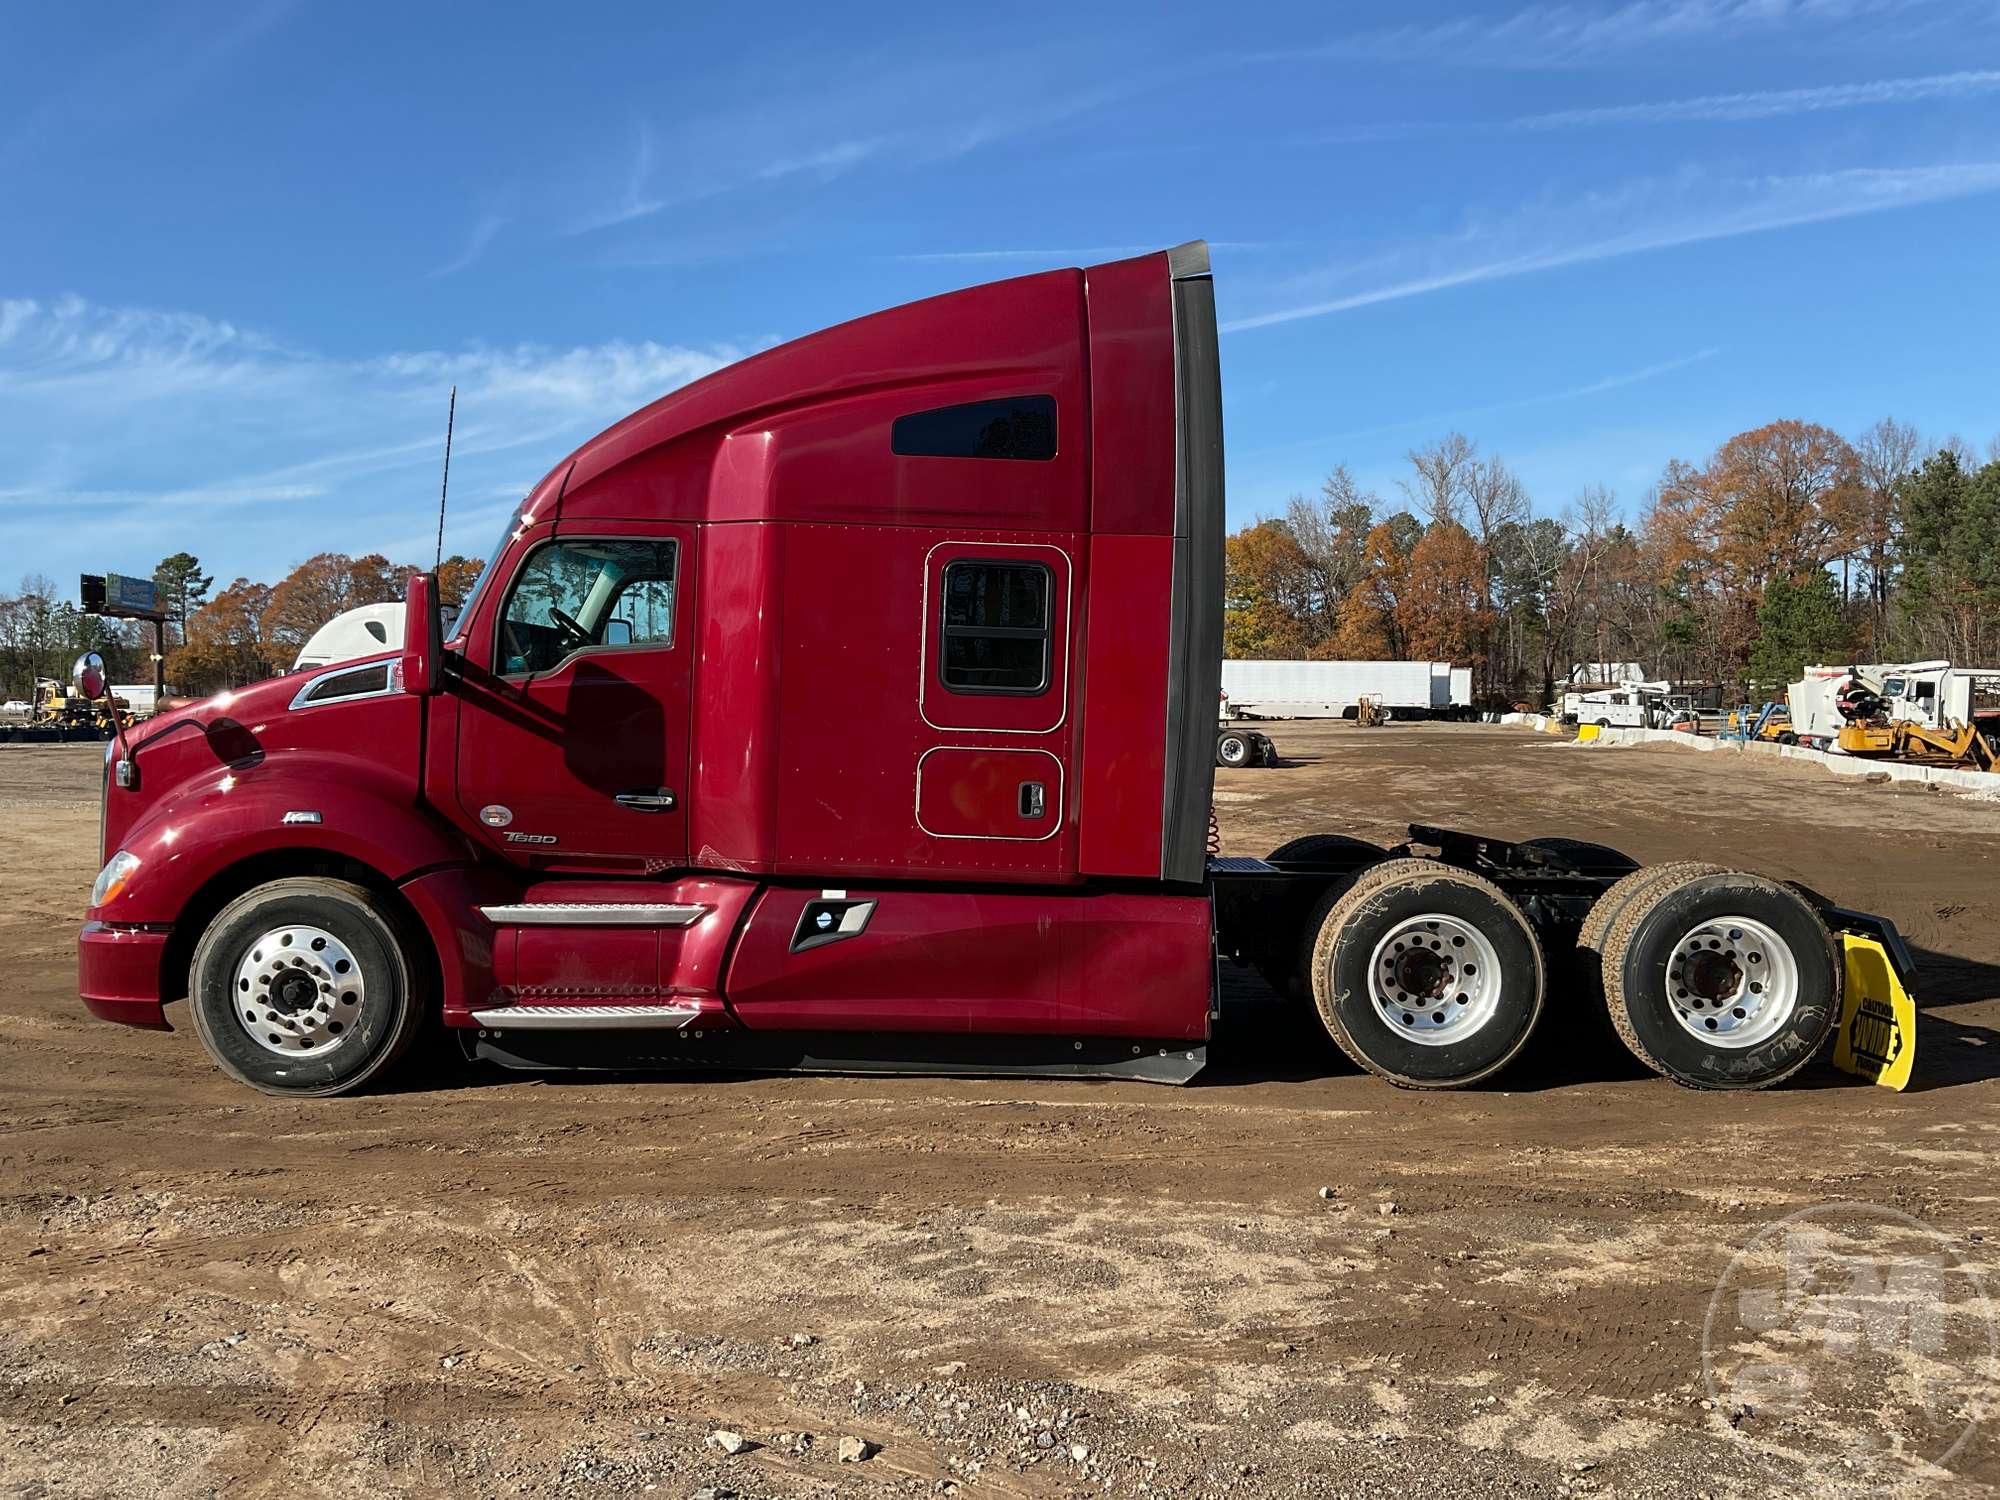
{"type": "Point", "coordinates": [1721, 980]}
{"type": "Point", "coordinates": [306, 986]}
{"type": "Point", "coordinates": [1426, 975]}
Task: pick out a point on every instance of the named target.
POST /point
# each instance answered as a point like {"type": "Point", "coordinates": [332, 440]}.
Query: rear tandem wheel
{"type": "Point", "coordinates": [1719, 979]}
{"type": "Point", "coordinates": [1424, 974]}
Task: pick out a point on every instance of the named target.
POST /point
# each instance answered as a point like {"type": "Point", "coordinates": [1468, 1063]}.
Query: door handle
{"type": "Point", "coordinates": [655, 799]}
{"type": "Point", "coordinates": [1033, 799]}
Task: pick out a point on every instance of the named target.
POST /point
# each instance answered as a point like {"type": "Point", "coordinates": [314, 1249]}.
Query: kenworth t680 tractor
{"type": "Point", "coordinates": [854, 708]}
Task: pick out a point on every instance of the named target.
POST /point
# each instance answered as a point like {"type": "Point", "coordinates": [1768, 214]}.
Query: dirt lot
{"type": "Point", "coordinates": [496, 1286]}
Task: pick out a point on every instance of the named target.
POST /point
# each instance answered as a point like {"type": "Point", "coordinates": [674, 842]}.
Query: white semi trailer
{"type": "Point", "coordinates": [1332, 689]}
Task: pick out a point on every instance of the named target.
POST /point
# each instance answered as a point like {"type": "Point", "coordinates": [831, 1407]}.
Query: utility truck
{"type": "Point", "coordinates": [853, 708]}
{"type": "Point", "coordinates": [1629, 705]}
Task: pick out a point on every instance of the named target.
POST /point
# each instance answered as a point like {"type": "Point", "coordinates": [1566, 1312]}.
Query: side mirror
{"type": "Point", "coordinates": [423, 637]}
{"type": "Point", "coordinates": [617, 632]}
{"type": "Point", "coordinates": [88, 675]}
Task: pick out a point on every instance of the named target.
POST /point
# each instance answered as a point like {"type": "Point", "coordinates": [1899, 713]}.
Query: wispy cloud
{"type": "Point", "coordinates": [150, 73]}
{"type": "Point", "coordinates": [1449, 418]}
{"type": "Point", "coordinates": [299, 450]}
{"type": "Point", "coordinates": [828, 161]}
{"type": "Point", "coordinates": [1771, 103]}
{"type": "Point", "coordinates": [1566, 35]}
{"type": "Point", "coordinates": [1050, 257]}
{"type": "Point", "coordinates": [1085, 254]}
{"type": "Point", "coordinates": [1654, 214]}
{"type": "Point", "coordinates": [878, 113]}
{"type": "Point", "coordinates": [1760, 104]}
{"type": "Point", "coordinates": [482, 235]}
{"type": "Point", "coordinates": [637, 200]}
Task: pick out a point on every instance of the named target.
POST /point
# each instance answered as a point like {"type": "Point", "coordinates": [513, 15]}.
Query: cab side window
{"type": "Point", "coordinates": [579, 594]}
{"type": "Point", "coordinates": [995, 628]}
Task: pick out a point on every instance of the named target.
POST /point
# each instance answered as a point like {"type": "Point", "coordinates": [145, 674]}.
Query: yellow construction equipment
{"type": "Point", "coordinates": [1960, 745]}
{"type": "Point", "coordinates": [57, 707]}
{"type": "Point", "coordinates": [1368, 714]}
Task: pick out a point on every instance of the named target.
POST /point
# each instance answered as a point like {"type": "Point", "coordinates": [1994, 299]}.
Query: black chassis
{"type": "Point", "coordinates": [1263, 910]}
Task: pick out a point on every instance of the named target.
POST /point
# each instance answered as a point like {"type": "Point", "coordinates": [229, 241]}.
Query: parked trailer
{"type": "Point", "coordinates": [139, 698]}
{"type": "Point", "coordinates": [622, 815]}
{"type": "Point", "coordinates": [1332, 689]}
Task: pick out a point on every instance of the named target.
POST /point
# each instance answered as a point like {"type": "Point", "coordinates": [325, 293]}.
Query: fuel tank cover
{"type": "Point", "coordinates": [828, 921]}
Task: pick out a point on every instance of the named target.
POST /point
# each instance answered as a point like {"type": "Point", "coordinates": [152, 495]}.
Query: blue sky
{"type": "Point", "coordinates": [248, 246]}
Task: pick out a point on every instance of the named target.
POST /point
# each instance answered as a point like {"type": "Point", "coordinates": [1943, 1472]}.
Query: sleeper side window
{"type": "Point", "coordinates": [1017, 427]}
{"type": "Point", "coordinates": [995, 628]}
{"type": "Point", "coordinates": [586, 593]}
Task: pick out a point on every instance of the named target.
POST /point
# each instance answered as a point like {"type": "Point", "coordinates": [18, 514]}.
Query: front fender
{"type": "Point", "coordinates": [334, 804]}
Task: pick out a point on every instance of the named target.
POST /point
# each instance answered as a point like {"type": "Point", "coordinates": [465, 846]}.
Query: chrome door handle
{"type": "Point", "coordinates": [660, 800]}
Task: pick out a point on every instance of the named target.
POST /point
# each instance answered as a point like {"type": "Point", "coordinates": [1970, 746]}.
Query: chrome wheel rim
{"type": "Point", "coordinates": [298, 991]}
{"type": "Point", "coordinates": [1733, 982]}
{"type": "Point", "coordinates": [1434, 979]}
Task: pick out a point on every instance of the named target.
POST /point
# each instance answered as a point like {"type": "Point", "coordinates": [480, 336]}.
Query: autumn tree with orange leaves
{"type": "Point", "coordinates": [1698, 586]}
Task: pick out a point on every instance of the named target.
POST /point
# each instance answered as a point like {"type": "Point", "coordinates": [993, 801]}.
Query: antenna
{"type": "Point", "coordinates": [450, 415]}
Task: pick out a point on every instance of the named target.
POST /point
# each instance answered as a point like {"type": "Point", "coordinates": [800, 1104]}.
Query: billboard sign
{"type": "Point", "coordinates": [120, 594]}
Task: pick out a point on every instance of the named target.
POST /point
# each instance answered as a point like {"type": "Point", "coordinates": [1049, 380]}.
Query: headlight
{"type": "Point", "coordinates": [111, 879]}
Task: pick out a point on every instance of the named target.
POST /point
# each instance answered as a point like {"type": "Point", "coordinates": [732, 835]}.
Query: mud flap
{"type": "Point", "coordinates": [1878, 1018]}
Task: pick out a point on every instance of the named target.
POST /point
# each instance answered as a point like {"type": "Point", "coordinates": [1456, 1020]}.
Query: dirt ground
{"type": "Point", "coordinates": [1285, 1279]}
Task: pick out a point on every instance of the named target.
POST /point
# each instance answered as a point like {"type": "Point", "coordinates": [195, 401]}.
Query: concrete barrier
{"type": "Point", "coordinates": [1985, 782]}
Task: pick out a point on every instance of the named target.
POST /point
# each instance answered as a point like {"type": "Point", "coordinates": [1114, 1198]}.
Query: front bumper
{"type": "Point", "coordinates": [118, 973]}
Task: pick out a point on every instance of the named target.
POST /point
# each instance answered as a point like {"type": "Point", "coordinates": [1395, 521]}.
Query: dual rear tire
{"type": "Point", "coordinates": [1711, 977]}
{"type": "Point", "coordinates": [1432, 977]}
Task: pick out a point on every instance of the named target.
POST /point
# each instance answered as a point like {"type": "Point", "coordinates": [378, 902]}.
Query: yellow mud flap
{"type": "Point", "coordinates": [1585, 733]}
{"type": "Point", "coordinates": [1878, 1018]}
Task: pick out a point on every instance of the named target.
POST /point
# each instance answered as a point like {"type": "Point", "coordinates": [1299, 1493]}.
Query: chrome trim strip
{"type": "Point", "coordinates": [595, 914]}
{"type": "Point", "coordinates": [586, 1017]}
{"type": "Point", "coordinates": [387, 665]}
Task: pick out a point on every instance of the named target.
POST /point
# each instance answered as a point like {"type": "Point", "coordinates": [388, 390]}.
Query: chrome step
{"type": "Point", "coordinates": [586, 1017]}
{"type": "Point", "coordinates": [595, 914]}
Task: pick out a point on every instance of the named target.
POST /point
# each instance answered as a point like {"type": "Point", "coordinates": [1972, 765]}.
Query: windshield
{"type": "Point", "coordinates": [478, 589]}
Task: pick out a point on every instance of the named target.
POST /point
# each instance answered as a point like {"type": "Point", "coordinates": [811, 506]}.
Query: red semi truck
{"type": "Point", "coordinates": [854, 708]}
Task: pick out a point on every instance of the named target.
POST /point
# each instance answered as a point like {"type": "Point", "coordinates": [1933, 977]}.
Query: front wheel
{"type": "Point", "coordinates": [1232, 749]}
{"type": "Point", "coordinates": [1426, 975]}
{"type": "Point", "coordinates": [305, 987]}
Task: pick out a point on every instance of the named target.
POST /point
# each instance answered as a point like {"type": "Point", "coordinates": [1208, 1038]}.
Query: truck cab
{"type": "Point", "coordinates": [768, 712]}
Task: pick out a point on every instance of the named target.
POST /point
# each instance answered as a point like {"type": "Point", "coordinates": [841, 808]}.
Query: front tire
{"type": "Point", "coordinates": [1426, 975]}
{"type": "Point", "coordinates": [1232, 749]}
{"type": "Point", "coordinates": [306, 986]}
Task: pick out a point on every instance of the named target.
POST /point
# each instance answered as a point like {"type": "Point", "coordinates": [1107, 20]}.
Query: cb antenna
{"type": "Point", "coordinates": [450, 415]}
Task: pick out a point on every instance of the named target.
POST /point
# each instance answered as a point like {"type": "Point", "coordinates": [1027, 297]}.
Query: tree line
{"type": "Point", "coordinates": [1789, 543]}
{"type": "Point", "coordinates": [245, 631]}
